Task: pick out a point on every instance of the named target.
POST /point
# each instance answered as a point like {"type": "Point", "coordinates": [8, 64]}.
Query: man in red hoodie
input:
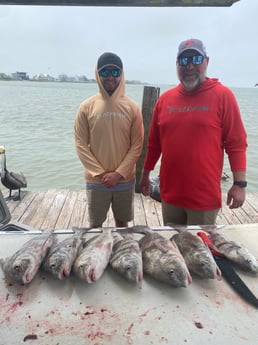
{"type": "Point", "coordinates": [193, 124]}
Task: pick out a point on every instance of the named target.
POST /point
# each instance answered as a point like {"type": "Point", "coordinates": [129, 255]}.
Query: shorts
{"type": "Point", "coordinates": [186, 216]}
{"type": "Point", "coordinates": [99, 202]}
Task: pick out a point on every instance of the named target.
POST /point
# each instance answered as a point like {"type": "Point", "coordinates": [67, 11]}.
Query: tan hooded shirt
{"type": "Point", "coordinates": [109, 133]}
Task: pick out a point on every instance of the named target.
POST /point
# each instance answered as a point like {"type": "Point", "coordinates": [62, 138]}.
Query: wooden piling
{"type": "Point", "coordinates": [150, 96]}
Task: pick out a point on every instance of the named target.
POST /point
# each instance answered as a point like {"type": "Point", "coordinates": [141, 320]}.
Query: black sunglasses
{"type": "Point", "coordinates": [105, 72]}
{"type": "Point", "coordinates": [185, 60]}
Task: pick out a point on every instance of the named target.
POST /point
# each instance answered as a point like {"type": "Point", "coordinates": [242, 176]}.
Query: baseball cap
{"type": "Point", "coordinates": [193, 44]}
{"type": "Point", "coordinates": [107, 59]}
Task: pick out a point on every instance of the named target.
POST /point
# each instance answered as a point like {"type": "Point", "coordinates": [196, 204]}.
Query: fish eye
{"type": "Point", "coordinates": [83, 267]}
{"type": "Point", "coordinates": [171, 272]}
{"type": "Point", "coordinates": [17, 268]}
{"type": "Point", "coordinates": [128, 268]}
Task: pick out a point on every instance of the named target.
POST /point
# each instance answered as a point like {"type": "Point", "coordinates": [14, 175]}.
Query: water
{"type": "Point", "coordinates": [36, 128]}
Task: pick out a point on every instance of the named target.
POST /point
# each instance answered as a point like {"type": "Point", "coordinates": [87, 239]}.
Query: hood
{"type": "Point", "coordinates": [119, 92]}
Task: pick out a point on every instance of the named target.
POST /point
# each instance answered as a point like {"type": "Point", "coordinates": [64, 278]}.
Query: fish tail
{"type": "Point", "coordinates": [45, 247]}
{"type": "Point", "coordinates": [177, 227]}
{"type": "Point", "coordinates": [209, 228]}
{"type": "Point", "coordinates": [77, 229]}
{"type": "Point", "coordinates": [125, 232]}
{"type": "Point", "coordinates": [49, 233]}
{"type": "Point", "coordinates": [80, 231]}
{"type": "Point", "coordinates": [140, 229]}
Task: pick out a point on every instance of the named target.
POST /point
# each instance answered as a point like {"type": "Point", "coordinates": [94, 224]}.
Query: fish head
{"type": "Point", "coordinates": [131, 268]}
{"type": "Point", "coordinates": [205, 266]}
{"type": "Point", "coordinates": [20, 271]}
{"type": "Point", "coordinates": [81, 270]}
{"type": "Point", "coordinates": [58, 267]}
{"type": "Point", "coordinates": [246, 260]}
{"type": "Point", "coordinates": [174, 272]}
{"type": "Point", "coordinates": [88, 272]}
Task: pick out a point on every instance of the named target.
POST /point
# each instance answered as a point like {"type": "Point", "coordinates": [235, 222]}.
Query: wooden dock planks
{"type": "Point", "coordinates": [63, 209]}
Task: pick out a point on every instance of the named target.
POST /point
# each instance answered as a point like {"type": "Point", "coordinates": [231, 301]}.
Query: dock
{"type": "Point", "coordinates": [64, 209]}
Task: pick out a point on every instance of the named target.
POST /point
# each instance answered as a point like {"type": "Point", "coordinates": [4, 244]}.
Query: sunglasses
{"type": "Point", "coordinates": [106, 72]}
{"type": "Point", "coordinates": [185, 60]}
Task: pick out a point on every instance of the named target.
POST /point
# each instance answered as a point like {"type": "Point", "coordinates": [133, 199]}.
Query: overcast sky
{"type": "Point", "coordinates": [54, 40]}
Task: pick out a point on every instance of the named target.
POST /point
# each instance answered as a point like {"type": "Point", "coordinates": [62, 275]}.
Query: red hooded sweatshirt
{"type": "Point", "coordinates": [191, 130]}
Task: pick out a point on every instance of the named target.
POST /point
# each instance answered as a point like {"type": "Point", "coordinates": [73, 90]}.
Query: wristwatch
{"type": "Point", "coordinates": [241, 184]}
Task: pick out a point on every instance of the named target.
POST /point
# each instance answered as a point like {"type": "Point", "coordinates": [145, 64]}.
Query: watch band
{"type": "Point", "coordinates": [241, 184]}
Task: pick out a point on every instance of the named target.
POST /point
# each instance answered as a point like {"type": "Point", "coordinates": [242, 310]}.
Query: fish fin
{"type": "Point", "coordinates": [174, 237]}
{"type": "Point", "coordinates": [174, 244]}
{"type": "Point", "coordinates": [165, 245]}
{"type": "Point", "coordinates": [218, 273]}
{"type": "Point", "coordinates": [189, 277]}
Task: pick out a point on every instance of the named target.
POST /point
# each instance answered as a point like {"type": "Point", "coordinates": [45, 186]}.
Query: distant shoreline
{"type": "Point", "coordinates": [62, 78]}
{"type": "Point", "coordinates": [92, 81]}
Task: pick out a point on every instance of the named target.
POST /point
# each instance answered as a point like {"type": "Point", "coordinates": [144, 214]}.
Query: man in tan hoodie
{"type": "Point", "coordinates": [109, 133]}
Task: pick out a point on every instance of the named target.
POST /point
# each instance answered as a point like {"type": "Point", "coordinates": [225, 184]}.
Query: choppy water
{"type": "Point", "coordinates": [36, 128]}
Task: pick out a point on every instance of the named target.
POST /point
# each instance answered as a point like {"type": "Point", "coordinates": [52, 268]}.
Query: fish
{"type": "Point", "coordinates": [93, 256]}
{"type": "Point", "coordinates": [62, 255]}
{"type": "Point", "coordinates": [197, 254]}
{"type": "Point", "coordinates": [234, 251]}
{"type": "Point", "coordinates": [23, 265]}
{"type": "Point", "coordinates": [126, 257]}
{"type": "Point", "coordinates": [162, 259]}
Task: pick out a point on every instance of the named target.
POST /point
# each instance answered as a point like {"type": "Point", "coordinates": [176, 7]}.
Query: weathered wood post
{"type": "Point", "coordinates": [150, 96]}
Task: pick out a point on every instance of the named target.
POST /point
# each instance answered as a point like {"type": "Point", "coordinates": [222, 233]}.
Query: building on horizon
{"type": "Point", "coordinates": [20, 76]}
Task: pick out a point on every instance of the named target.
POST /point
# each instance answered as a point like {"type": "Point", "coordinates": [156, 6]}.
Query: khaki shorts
{"type": "Point", "coordinates": [99, 203]}
{"type": "Point", "coordinates": [186, 216]}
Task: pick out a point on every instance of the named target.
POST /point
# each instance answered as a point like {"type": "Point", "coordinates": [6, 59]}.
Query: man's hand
{"type": "Point", "coordinates": [236, 197]}
{"type": "Point", "coordinates": [145, 184]}
{"type": "Point", "coordinates": [110, 179]}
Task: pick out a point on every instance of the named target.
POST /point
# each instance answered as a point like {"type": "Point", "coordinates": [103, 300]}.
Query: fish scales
{"type": "Point", "coordinates": [93, 257]}
{"type": "Point", "coordinates": [62, 255]}
{"type": "Point", "coordinates": [234, 251]}
{"type": "Point", "coordinates": [197, 255]}
{"type": "Point", "coordinates": [162, 259]}
{"type": "Point", "coordinates": [126, 257]}
{"type": "Point", "coordinates": [23, 265]}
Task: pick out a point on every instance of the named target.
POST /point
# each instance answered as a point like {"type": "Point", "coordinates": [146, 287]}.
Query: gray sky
{"type": "Point", "coordinates": [54, 40]}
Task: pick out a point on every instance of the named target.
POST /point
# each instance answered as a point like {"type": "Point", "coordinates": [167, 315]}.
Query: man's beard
{"type": "Point", "coordinates": [190, 84]}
